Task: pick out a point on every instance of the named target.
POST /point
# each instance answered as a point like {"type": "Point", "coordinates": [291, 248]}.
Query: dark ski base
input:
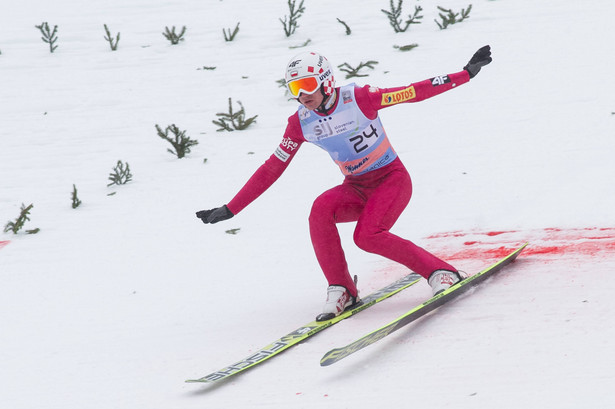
{"type": "Point", "coordinates": [307, 331]}
{"type": "Point", "coordinates": [456, 290]}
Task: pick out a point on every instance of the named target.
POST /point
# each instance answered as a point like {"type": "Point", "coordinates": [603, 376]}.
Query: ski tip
{"type": "Point", "coordinates": [520, 249]}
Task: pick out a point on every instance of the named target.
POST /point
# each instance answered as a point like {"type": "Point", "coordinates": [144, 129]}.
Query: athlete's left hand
{"type": "Point", "coordinates": [481, 58]}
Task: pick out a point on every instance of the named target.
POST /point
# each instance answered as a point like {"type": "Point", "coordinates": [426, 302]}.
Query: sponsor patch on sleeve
{"type": "Point", "coordinates": [391, 98]}
{"type": "Point", "coordinates": [281, 155]}
{"type": "Point", "coordinates": [441, 80]}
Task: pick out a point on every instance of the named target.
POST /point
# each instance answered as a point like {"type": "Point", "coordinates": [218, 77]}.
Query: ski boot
{"type": "Point", "coordinates": [440, 280]}
{"type": "Point", "coordinates": [338, 301]}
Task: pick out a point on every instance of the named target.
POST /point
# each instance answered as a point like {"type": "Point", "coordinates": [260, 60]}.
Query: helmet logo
{"type": "Point", "coordinates": [324, 76]}
{"type": "Point", "coordinates": [294, 63]}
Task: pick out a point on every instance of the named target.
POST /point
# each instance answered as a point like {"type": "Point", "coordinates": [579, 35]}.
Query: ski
{"type": "Point", "coordinates": [307, 331]}
{"type": "Point", "coordinates": [434, 302]}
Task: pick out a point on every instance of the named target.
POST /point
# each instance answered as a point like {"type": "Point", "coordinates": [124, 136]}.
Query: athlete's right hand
{"type": "Point", "coordinates": [214, 215]}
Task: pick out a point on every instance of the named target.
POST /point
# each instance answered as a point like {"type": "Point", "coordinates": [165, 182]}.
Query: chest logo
{"type": "Point", "coordinates": [323, 129]}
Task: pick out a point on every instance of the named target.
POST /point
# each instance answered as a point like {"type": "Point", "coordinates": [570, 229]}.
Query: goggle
{"type": "Point", "coordinates": [307, 85]}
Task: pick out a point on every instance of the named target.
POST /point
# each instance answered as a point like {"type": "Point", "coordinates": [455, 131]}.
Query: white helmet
{"type": "Point", "coordinates": [308, 72]}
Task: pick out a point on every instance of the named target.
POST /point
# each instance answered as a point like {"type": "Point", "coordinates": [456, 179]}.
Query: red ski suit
{"type": "Point", "coordinates": [373, 198]}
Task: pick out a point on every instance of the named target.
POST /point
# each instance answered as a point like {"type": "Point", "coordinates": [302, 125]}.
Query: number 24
{"type": "Point", "coordinates": [360, 145]}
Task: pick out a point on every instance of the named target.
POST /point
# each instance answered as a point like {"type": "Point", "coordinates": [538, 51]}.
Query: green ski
{"type": "Point", "coordinates": [452, 292]}
{"type": "Point", "coordinates": [307, 331]}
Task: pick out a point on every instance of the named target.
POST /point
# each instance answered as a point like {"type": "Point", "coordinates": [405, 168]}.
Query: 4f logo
{"type": "Point", "coordinates": [294, 64]}
{"type": "Point", "coordinates": [441, 80]}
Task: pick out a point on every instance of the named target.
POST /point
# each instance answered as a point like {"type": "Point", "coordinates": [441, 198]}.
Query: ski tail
{"type": "Point", "coordinates": [307, 331]}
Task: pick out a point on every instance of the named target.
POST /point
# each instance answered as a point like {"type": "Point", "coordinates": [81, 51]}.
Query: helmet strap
{"type": "Point", "coordinates": [327, 101]}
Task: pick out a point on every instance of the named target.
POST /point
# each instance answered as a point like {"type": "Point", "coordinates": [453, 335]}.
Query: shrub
{"type": "Point", "coordinates": [230, 36]}
{"type": "Point", "coordinates": [406, 47]}
{"type": "Point", "coordinates": [121, 174]}
{"type": "Point", "coordinates": [180, 142]}
{"type": "Point", "coordinates": [394, 15]}
{"type": "Point", "coordinates": [290, 22]}
{"type": "Point", "coordinates": [50, 37]}
{"type": "Point", "coordinates": [75, 200]}
{"type": "Point", "coordinates": [173, 37]}
{"type": "Point", "coordinates": [233, 120]}
{"type": "Point", "coordinates": [451, 17]}
{"type": "Point", "coordinates": [354, 72]}
{"type": "Point", "coordinates": [112, 43]}
{"type": "Point", "coordinates": [20, 221]}
{"type": "Point", "coordinates": [348, 31]}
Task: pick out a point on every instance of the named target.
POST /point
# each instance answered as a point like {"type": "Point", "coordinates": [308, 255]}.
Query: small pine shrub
{"type": "Point", "coordinates": [282, 84]}
{"type": "Point", "coordinates": [394, 15]}
{"type": "Point", "coordinates": [290, 22]}
{"type": "Point", "coordinates": [348, 31]}
{"type": "Point", "coordinates": [354, 72]}
{"type": "Point", "coordinates": [172, 36]}
{"type": "Point", "coordinates": [228, 35]}
{"type": "Point", "coordinates": [112, 42]}
{"type": "Point", "coordinates": [180, 142]}
{"type": "Point", "coordinates": [49, 37]}
{"type": "Point", "coordinates": [121, 174]}
{"type": "Point", "coordinates": [304, 44]}
{"type": "Point", "coordinates": [21, 220]}
{"type": "Point", "coordinates": [407, 47]}
{"type": "Point", "coordinates": [75, 200]}
{"type": "Point", "coordinates": [233, 120]}
{"type": "Point", "coordinates": [451, 17]}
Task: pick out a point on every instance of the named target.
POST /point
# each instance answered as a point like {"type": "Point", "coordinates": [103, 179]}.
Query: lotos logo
{"type": "Point", "coordinates": [391, 98]}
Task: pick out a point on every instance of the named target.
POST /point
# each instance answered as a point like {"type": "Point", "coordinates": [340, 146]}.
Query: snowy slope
{"type": "Point", "coordinates": [115, 303]}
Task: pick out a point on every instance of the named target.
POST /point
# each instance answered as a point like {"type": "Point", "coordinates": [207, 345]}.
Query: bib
{"type": "Point", "coordinates": [356, 143]}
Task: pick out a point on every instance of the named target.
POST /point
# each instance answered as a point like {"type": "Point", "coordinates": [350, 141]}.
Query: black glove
{"type": "Point", "coordinates": [215, 215]}
{"type": "Point", "coordinates": [481, 58]}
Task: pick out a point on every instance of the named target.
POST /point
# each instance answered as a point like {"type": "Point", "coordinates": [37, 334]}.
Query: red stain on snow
{"type": "Point", "coordinates": [480, 253]}
{"type": "Point", "coordinates": [545, 243]}
{"type": "Point", "coordinates": [3, 243]}
{"type": "Point", "coordinates": [496, 233]}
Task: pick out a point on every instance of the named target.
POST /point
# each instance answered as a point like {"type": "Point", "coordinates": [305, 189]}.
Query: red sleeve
{"type": "Point", "coordinates": [372, 99]}
{"type": "Point", "coordinates": [272, 169]}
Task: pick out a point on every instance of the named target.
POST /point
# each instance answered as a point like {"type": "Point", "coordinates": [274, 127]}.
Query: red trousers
{"type": "Point", "coordinates": [375, 201]}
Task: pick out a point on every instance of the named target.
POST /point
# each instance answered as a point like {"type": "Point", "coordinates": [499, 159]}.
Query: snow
{"type": "Point", "coordinates": [114, 304]}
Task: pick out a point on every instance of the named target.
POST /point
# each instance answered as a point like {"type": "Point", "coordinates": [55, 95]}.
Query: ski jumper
{"type": "Point", "coordinates": [376, 187]}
